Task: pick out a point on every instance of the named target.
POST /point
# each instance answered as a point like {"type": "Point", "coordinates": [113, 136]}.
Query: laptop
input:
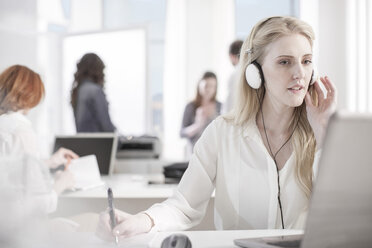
{"type": "Point", "coordinates": [340, 213]}
{"type": "Point", "coordinates": [102, 145]}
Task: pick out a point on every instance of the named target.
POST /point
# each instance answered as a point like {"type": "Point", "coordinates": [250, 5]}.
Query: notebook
{"type": "Point", "coordinates": [103, 145]}
{"type": "Point", "coordinates": [340, 213]}
{"type": "Point", "coordinates": [86, 172]}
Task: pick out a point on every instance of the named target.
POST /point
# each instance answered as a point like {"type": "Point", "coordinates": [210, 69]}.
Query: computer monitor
{"type": "Point", "coordinates": [103, 145]}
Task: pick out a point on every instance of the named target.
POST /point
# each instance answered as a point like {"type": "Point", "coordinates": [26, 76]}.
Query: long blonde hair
{"type": "Point", "coordinates": [247, 103]}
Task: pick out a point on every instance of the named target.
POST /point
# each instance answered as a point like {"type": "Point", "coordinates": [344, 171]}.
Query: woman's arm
{"type": "Point", "coordinates": [193, 122]}
{"type": "Point", "coordinates": [102, 112]}
{"type": "Point", "coordinates": [186, 208]}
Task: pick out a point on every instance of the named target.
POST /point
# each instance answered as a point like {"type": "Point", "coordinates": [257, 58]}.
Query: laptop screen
{"type": "Point", "coordinates": [340, 213]}
{"type": "Point", "coordinates": [103, 145]}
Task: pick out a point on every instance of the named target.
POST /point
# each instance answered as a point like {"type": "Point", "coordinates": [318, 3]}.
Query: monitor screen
{"type": "Point", "coordinates": [103, 145]}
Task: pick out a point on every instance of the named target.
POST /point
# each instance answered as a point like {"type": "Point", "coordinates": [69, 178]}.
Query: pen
{"type": "Point", "coordinates": [60, 167]}
{"type": "Point", "coordinates": [111, 212]}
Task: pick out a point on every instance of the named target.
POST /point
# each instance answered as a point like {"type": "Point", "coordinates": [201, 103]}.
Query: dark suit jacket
{"type": "Point", "coordinates": [91, 113]}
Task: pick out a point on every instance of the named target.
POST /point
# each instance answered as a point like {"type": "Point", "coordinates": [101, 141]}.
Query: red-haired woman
{"type": "Point", "coordinates": [21, 89]}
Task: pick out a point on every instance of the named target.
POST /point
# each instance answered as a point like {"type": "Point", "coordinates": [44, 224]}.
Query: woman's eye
{"type": "Point", "coordinates": [284, 62]}
{"type": "Point", "coordinates": [308, 61]}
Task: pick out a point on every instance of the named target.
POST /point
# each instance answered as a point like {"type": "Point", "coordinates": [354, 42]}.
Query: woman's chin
{"type": "Point", "coordinates": [297, 102]}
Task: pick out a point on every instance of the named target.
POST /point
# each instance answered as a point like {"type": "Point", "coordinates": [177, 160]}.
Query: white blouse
{"type": "Point", "coordinates": [235, 163]}
{"type": "Point", "coordinates": [17, 138]}
{"type": "Point", "coordinates": [17, 135]}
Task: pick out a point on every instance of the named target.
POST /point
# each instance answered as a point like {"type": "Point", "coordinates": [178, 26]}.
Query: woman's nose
{"type": "Point", "coordinates": [298, 71]}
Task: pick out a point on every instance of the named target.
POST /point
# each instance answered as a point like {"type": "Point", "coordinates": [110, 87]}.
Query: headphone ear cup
{"type": "Point", "coordinates": [314, 75]}
{"type": "Point", "coordinates": [253, 75]}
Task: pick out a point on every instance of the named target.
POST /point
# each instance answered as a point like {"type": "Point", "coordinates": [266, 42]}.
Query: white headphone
{"type": "Point", "coordinates": [254, 75]}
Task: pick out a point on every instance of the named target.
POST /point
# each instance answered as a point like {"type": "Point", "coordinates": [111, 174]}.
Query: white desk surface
{"type": "Point", "coordinates": [199, 239]}
{"type": "Point", "coordinates": [128, 186]}
{"type": "Point", "coordinates": [132, 194]}
{"type": "Point", "coordinates": [220, 238]}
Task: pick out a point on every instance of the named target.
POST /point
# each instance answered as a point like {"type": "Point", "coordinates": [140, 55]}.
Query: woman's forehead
{"type": "Point", "coordinates": [295, 45]}
{"type": "Point", "coordinates": [208, 81]}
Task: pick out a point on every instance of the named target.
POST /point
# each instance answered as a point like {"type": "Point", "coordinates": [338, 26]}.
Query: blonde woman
{"type": "Point", "coordinates": [260, 160]}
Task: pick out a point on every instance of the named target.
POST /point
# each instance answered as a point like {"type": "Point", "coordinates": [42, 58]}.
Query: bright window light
{"type": "Point", "coordinates": [124, 55]}
{"type": "Point", "coordinates": [362, 59]}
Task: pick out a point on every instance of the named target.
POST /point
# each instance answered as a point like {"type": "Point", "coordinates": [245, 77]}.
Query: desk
{"type": "Point", "coordinates": [140, 166]}
{"type": "Point", "coordinates": [132, 194]}
{"type": "Point", "coordinates": [201, 239]}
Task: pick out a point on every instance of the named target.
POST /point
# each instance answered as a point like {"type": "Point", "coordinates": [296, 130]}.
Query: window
{"type": "Point", "coordinates": [359, 56]}
{"type": "Point", "coordinates": [124, 55]}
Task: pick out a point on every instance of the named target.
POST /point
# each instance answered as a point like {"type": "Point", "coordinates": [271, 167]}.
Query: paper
{"type": "Point", "coordinates": [86, 172]}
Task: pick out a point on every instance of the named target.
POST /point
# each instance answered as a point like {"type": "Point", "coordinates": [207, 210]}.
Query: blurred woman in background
{"type": "Point", "coordinates": [88, 99]}
{"type": "Point", "coordinates": [201, 111]}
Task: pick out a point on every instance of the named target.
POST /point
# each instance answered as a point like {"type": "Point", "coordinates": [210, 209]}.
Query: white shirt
{"type": "Point", "coordinates": [17, 138]}
{"type": "Point", "coordinates": [17, 135]}
{"type": "Point", "coordinates": [237, 165]}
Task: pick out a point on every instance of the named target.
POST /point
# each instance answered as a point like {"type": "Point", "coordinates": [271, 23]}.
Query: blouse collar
{"type": "Point", "coordinates": [250, 130]}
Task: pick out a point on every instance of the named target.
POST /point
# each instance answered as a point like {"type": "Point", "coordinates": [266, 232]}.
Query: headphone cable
{"type": "Point", "coordinates": [274, 155]}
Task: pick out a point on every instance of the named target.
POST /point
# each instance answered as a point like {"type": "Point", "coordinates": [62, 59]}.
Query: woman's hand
{"type": "Point", "coordinates": [319, 114]}
{"type": "Point", "coordinates": [128, 225]}
{"type": "Point", "coordinates": [62, 156]}
{"type": "Point", "coordinates": [200, 117]}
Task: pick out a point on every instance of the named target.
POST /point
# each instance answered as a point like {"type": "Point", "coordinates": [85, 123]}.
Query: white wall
{"type": "Point", "coordinates": [18, 38]}
{"type": "Point", "coordinates": [210, 30]}
{"type": "Point", "coordinates": [332, 45]}
{"type": "Point", "coordinates": [344, 38]}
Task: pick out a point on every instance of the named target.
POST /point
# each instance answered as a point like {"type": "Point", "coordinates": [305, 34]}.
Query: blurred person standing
{"type": "Point", "coordinates": [21, 89]}
{"type": "Point", "coordinates": [201, 111]}
{"type": "Point", "coordinates": [88, 99]}
{"type": "Point", "coordinates": [234, 51]}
